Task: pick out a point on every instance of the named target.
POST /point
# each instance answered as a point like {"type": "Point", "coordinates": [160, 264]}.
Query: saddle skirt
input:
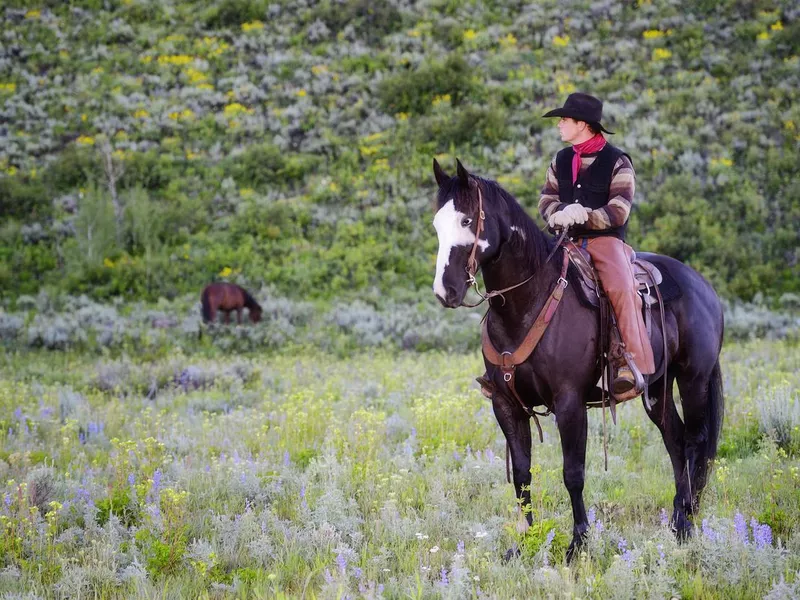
{"type": "Point", "coordinates": [645, 273]}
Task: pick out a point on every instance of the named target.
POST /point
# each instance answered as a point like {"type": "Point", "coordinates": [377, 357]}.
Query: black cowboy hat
{"type": "Point", "coordinates": [581, 107]}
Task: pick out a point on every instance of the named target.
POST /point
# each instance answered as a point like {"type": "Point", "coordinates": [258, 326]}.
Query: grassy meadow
{"type": "Point", "coordinates": [378, 474]}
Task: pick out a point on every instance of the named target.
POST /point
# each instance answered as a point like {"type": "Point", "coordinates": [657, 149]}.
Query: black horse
{"type": "Point", "coordinates": [562, 372]}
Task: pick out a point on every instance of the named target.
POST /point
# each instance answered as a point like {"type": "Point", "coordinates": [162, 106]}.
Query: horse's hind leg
{"type": "Point", "coordinates": [672, 430]}
{"type": "Point", "coordinates": [701, 397]}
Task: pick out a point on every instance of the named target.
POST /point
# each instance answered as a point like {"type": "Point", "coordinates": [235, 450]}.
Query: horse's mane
{"type": "Point", "coordinates": [249, 301]}
{"type": "Point", "coordinates": [534, 245]}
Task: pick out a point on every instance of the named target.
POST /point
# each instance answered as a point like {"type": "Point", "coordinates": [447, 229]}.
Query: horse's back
{"type": "Point", "coordinates": [697, 309]}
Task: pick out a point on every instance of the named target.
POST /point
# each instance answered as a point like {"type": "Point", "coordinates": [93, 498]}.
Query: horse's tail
{"type": "Point", "coordinates": [715, 411]}
{"type": "Point", "coordinates": [205, 301]}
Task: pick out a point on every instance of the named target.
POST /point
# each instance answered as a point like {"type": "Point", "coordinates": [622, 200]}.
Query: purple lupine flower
{"type": "Point", "coordinates": [661, 554]}
{"type": "Point", "coordinates": [443, 580]}
{"type": "Point", "coordinates": [489, 455]}
{"type": "Point", "coordinates": [380, 589]}
{"type": "Point", "coordinates": [342, 562]}
{"type": "Point", "coordinates": [7, 500]}
{"type": "Point", "coordinates": [93, 428]}
{"type": "Point", "coordinates": [456, 455]}
{"type": "Point", "coordinates": [18, 414]}
{"type": "Point", "coordinates": [131, 479]}
{"type": "Point", "coordinates": [207, 468]}
{"type": "Point", "coordinates": [243, 477]}
{"type": "Point", "coordinates": [236, 458]}
{"type": "Point", "coordinates": [708, 531]}
{"type": "Point", "coordinates": [286, 460]}
{"type": "Point", "coordinates": [81, 437]}
{"type": "Point", "coordinates": [328, 576]}
{"type": "Point", "coordinates": [263, 527]}
{"type": "Point", "coordinates": [599, 527]}
{"type": "Point", "coordinates": [357, 572]}
{"type": "Point", "coordinates": [664, 518]}
{"type": "Point", "coordinates": [591, 516]}
{"type": "Point", "coordinates": [623, 544]}
{"type": "Point", "coordinates": [740, 525]}
{"type": "Point", "coordinates": [762, 534]}
{"type": "Point", "coordinates": [157, 480]}
{"type": "Point", "coordinates": [628, 558]}
{"type": "Point", "coordinates": [460, 547]}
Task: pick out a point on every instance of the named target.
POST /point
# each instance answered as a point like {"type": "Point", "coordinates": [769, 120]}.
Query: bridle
{"type": "Point", "coordinates": [472, 261]}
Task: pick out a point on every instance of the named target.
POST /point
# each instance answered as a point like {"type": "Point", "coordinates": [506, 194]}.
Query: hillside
{"type": "Point", "coordinates": [147, 147]}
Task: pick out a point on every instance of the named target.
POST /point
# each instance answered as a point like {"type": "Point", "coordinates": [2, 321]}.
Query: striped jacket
{"type": "Point", "coordinates": [620, 197]}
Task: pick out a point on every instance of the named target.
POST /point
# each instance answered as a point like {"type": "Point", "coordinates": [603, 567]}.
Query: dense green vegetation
{"type": "Point", "coordinates": [149, 146]}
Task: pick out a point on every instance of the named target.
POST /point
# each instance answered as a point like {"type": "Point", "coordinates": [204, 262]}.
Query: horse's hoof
{"type": "Point", "coordinates": [512, 552]}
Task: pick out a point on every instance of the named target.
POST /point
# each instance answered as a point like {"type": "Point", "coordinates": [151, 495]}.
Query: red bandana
{"type": "Point", "coordinates": [590, 146]}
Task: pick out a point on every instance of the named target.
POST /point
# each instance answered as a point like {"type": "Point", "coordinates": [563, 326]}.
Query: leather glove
{"type": "Point", "coordinates": [578, 213]}
{"type": "Point", "coordinates": [574, 214]}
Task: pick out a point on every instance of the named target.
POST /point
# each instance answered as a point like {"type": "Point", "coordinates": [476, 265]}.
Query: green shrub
{"type": "Point", "coordinates": [414, 92]}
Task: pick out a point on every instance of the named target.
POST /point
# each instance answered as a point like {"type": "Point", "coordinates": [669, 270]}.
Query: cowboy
{"type": "Point", "coordinates": [589, 190]}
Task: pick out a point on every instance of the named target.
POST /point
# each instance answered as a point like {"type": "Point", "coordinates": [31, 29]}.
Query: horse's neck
{"type": "Point", "coordinates": [521, 304]}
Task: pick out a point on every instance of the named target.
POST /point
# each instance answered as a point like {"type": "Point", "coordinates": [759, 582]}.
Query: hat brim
{"type": "Point", "coordinates": [566, 112]}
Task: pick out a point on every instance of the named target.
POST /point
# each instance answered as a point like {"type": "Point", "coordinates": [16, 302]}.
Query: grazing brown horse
{"type": "Point", "coordinates": [227, 297]}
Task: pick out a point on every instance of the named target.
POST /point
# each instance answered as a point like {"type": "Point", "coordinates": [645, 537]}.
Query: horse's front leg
{"type": "Point", "coordinates": [572, 424]}
{"type": "Point", "coordinates": [516, 427]}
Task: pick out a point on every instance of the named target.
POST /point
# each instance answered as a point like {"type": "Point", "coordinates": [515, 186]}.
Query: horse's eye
{"type": "Point", "coordinates": [466, 222]}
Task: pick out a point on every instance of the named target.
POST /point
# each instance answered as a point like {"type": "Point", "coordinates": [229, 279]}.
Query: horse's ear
{"type": "Point", "coordinates": [439, 173]}
{"type": "Point", "coordinates": [463, 175]}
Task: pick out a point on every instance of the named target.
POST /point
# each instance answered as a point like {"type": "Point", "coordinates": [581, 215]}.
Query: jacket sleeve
{"type": "Point", "coordinates": [549, 201]}
{"type": "Point", "coordinates": [621, 192]}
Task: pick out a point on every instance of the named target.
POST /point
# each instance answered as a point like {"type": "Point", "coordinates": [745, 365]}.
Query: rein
{"type": "Point", "coordinates": [472, 262]}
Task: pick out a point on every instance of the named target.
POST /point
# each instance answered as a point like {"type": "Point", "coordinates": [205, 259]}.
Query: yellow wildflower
{"type": "Point", "coordinates": [469, 35]}
{"type": "Point", "coordinates": [83, 117]}
{"type": "Point", "coordinates": [85, 140]}
{"type": "Point", "coordinates": [319, 69]}
{"type": "Point", "coordinates": [97, 70]}
{"type": "Point", "coordinates": [33, 14]}
{"type": "Point", "coordinates": [205, 86]}
{"type": "Point", "coordinates": [252, 26]}
{"type": "Point", "coordinates": [8, 87]}
{"type": "Point", "coordinates": [301, 93]}
{"type": "Point", "coordinates": [146, 59]}
{"type": "Point", "coordinates": [226, 272]}
{"type": "Point", "coordinates": [763, 36]}
{"type": "Point", "coordinates": [439, 99]}
{"type": "Point", "coordinates": [413, 33]}
{"type": "Point", "coordinates": [194, 76]}
{"type": "Point", "coordinates": [234, 109]}
{"type": "Point", "coordinates": [107, 262]}
{"type": "Point", "coordinates": [661, 54]}
{"type": "Point", "coordinates": [561, 40]}
{"type": "Point", "coordinates": [508, 41]}
{"type": "Point", "coordinates": [246, 192]}
{"type": "Point", "coordinates": [401, 116]}
{"type": "Point", "coordinates": [141, 114]}
{"type": "Point", "coordinates": [652, 34]}
{"type": "Point", "coordinates": [777, 26]}
{"type": "Point", "coordinates": [175, 59]}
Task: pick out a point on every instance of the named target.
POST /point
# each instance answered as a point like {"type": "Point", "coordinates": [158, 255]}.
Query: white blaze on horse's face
{"type": "Point", "coordinates": [453, 228]}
